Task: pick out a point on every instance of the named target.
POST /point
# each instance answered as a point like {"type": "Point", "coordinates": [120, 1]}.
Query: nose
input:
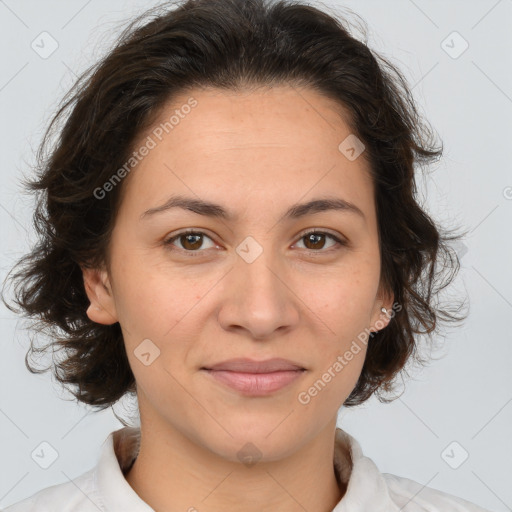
{"type": "Point", "coordinates": [258, 298]}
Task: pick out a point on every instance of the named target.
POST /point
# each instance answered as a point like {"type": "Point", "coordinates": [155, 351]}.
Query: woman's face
{"type": "Point", "coordinates": [255, 284]}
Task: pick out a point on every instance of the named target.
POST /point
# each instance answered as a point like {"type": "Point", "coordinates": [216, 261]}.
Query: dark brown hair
{"type": "Point", "coordinates": [234, 45]}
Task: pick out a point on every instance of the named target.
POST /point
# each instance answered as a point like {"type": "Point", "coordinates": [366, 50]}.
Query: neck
{"type": "Point", "coordinates": [174, 473]}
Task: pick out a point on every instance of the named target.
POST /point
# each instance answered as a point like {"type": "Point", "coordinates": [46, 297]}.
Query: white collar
{"type": "Point", "coordinates": [366, 487]}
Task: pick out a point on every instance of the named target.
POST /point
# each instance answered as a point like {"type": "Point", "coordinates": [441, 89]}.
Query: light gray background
{"type": "Point", "coordinates": [464, 396]}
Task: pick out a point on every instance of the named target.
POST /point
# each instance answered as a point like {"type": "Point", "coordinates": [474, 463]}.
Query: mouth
{"type": "Point", "coordinates": [255, 378]}
{"type": "Point", "coordinates": [255, 384]}
{"type": "Point", "coordinates": [245, 365]}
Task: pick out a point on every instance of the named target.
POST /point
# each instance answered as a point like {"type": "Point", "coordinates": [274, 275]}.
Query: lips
{"type": "Point", "coordinates": [243, 365]}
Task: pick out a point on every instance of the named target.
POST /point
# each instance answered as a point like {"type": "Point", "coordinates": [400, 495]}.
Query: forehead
{"type": "Point", "coordinates": [299, 120]}
{"type": "Point", "coordinates": [269, 144]}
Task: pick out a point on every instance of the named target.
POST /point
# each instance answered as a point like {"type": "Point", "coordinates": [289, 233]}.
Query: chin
{"type": "Point", "coordinates": [255, 438]}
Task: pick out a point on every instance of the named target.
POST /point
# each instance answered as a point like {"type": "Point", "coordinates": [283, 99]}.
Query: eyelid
{"type": "Point", "coordinates": [339, 239]}
{"type": "Point", "coordinates": [322, 231]}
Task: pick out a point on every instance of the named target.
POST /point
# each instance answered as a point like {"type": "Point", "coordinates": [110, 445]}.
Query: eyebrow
{"type": "Point", "coordinates": [209, 209]}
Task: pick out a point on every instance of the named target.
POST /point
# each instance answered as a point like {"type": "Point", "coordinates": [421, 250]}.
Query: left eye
{"type": "Point", "coordinates": [315, 237]}
{"type": "Point", "coordinates": [191, 240]}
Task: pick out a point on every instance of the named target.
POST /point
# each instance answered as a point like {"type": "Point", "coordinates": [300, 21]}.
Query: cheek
{"type": "Point", "coordinates": [328, 388]}
{"type": "Point", "coordinates": [342, 308]}
{"type": "Point", "coordinates": [162, 318]}
{"type": "Point", "coordinates": [344, 302]}
{"type": "Point", "coordinates": [152, 299]}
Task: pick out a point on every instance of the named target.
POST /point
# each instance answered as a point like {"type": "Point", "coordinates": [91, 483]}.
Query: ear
{"type": "Point", "coordinates": [379, 319]}
{"type": "Point", "coordinates": [102, 309]}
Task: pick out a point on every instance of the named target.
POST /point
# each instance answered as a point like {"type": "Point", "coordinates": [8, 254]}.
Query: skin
{"type": "Point", "coordinates": [256, 153]}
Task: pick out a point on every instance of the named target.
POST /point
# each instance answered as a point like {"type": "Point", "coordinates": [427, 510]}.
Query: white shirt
{"type": "Point", "coordinates": [104, 488]}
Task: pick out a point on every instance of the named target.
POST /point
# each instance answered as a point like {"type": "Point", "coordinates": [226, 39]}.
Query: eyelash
{"type": "Point", "coordinates": [169, 241]}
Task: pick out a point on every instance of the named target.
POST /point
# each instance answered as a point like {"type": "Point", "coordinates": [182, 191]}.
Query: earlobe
{"type": "Point", "coordinates": [97, 286]}
{"type": "Point", "coordinates": [382, 314]}
{"type": "Point", "coordinates": [382, 320]}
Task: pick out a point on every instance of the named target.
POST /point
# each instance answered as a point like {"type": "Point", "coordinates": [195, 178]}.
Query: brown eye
{"type": "Point", "coordinates": [190, 241]}
{"type": "Point", "coordinates": [316, 240]}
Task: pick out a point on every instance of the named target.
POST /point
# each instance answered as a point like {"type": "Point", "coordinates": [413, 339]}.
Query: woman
{"type": "Point", "coordinates": [229, 232]}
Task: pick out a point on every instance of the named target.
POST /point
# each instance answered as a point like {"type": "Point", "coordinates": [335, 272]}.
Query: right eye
{"type": "Point", "coordinates": [190, 240]}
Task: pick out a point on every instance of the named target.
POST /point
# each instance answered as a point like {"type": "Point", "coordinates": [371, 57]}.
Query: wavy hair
{"type": "Point", "coordinates": [232, 45]}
